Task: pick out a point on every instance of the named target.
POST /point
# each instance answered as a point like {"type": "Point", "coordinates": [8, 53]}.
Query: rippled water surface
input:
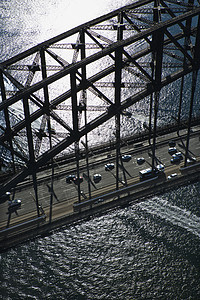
{"type": "Point", "coordinates": [146, 251]}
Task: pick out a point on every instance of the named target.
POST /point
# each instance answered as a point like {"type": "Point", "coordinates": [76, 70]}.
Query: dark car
{"type": "Point", "coordinates": [14, 205]}
{"type": "Point", "coordinates": [70, 178]}
{"type": "Point", "coordinates": [5, 197]}
{"type": "Point", "coordinates": [179, 154]}
{"type": "Point", "coordinates": [175, 159]}
{"type": "Point", "coordinates": [97, 178]}
{"type": "Point", "coordinates": [78, 180]}
{"type": "Point", "coordinates": [140, 160]}
{"type": "Point", "coordinates": [172, 143]}
{"type": "Point", "coordinates": [126, 157]}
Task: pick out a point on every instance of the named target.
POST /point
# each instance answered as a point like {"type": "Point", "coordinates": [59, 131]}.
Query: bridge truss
{"type": "Point", "coordinates": [54, 95]}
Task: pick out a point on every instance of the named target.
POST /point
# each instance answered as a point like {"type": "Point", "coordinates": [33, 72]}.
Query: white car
{"type": "Point", "coordinates": [160, 168]}
{"type": "Point", "coordinates": [172, 150]}
{"type": "Point", "coordinates": [109, 167]}
{"type": "Point", "coordinates": [126, 157]}
{"type": "Point", "coordinates": [172, 176]}
{"type": "Point", "coordinates": [191, 160]}
{"type": "Point", "coordinates": [179, 154]}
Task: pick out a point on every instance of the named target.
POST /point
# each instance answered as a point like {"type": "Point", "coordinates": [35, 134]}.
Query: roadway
{"type": "Point", "coordinates": [64, 195]}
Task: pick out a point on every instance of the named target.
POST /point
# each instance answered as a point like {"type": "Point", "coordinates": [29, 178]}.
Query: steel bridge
{"type": "Point", "coordinates": [54, 95]}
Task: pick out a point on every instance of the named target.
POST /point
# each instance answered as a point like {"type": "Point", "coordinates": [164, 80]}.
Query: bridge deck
{"type": "Point", "coordinates": [126, 67]}
{"type": "Point", "coordinates": [26, 222]}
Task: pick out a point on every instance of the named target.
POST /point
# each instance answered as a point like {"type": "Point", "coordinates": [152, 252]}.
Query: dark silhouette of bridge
{"type": "Point", "coordinates": [150, 43]}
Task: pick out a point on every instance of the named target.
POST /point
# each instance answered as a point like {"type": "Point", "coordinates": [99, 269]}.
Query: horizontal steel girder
{"type": "Point", "coordinates": [58, 100]}
{"type": "Point", "coordinates": [90, 126]}
{"type": "Point", "coordinates": [28, 91]}
{"type": "Point", "coordinates": [106, 51]}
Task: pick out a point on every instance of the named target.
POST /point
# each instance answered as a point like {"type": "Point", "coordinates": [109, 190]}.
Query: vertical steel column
{"type": "Point", "coordinates": [83, 81]}
{"type": "Point", "coordinates": [156, 100]}
{"type": "Point", "coordinates": [158, 40]}
{"type": "Point", "coordinates": [118, 73]}
{"type": "Point", "coordinates": [180, 101]}
{"type": "Point", "coordinates": [31, 149]}
{"type": "Point", "coordinates": [156, 18]}
{"type": "Point", "coordinates": [75, 125]}
{"type": "Point", "coordinates": [46, 105]}
{"type": "Point", "coordinates": [196, 65]}
{"type": "Point", "coordinates": [156, 11]}
{"type": "Point", "coordinates": [151, 99]}
{"type": "Point", "coordinates": [186, 43]}
{"type": "Point", "coordinates": [194, 79]}
{"type": "Point", "coordinates": [7, 120]}
{"type": "Point", "coordinates": [118, 60]}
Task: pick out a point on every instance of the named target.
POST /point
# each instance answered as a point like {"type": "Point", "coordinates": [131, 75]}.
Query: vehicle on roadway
{"type": "Point", "coordinates": [70, 178]}
{"type": "Point", "coordinates": [5, 197]}
{"type": "Point", "coordinates": [13, 205]}
{"type": "Point", "coordinates": [172, 143]}
{"type": "Point", "coordinates": [175, 159]}
{"type": "Point", "coordinates": [160, 168]}
{"type": "Point", "coordinates": [172, 150]}
{"type": "Point", "coordinates": [191, 160]}
{"type": "Point", "coordinates": [74, 178]}
{"type": "Point", "coordinates": [140, 160]}
{"type": "Point", "coordinates": [96, 178]}
{"type": "Point", "coordinates": [126, 157]}
{"type": "Point", "coordinates": [148, 173]}
{"type": "Point", "coordinates": [109, 167]}
{"type": "Point", "coordinates": [172, 176]}
{"type": "Point", "coordinates": [78, 180]}
{"type": "Point", "coordinates": [179, 154]}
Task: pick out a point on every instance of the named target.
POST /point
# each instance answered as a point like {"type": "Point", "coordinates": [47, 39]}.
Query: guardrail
{"type": "Point", "coordinates": [190, 167]}
{"type": "Point", "coordinates": [96, 200]}
{"type": "Point", "coordinates": [22, 225]}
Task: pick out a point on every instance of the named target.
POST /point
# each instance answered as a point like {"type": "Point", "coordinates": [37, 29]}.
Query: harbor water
{"type": "Point", "coordinates": [149, 250]}
{"type": "Point", "coordinates": [146, 251]}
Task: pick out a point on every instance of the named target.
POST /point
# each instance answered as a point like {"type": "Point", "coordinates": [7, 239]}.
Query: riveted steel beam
{"type": "Point", "coordinates": [106, 51]}
{"type": "Point", "coordinates": [157, 36]}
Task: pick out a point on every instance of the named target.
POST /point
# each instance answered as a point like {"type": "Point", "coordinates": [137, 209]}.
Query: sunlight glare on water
{"type": "Point", "coordinates": [146, 251]}
{"type": "Point", "coordinates": [27, 23]}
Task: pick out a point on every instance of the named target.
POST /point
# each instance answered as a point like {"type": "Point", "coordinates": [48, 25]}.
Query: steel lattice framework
{"type": "Point", "coordinates": [152, 43]}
